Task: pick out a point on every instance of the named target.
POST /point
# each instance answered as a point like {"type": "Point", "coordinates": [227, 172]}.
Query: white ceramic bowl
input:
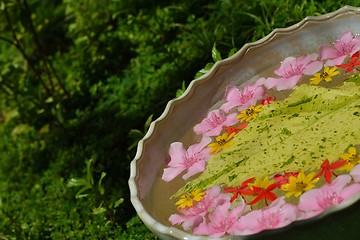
{"type": "Point", "coordinates": [183, 113]}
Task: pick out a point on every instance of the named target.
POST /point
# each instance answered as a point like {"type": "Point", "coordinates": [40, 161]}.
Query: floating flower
{"type": "Point", "coordinates": [345, 46]}
{"type": "Point", "coordinates": [268, 100]}
{"type": "Point", "coordinates": [222, 142]}
{"type": "Point", "coordinates": [326, 168]}
{"type": "Point", "coordinates": [278, 214]}
{"type": "Point", "coordinates": [297, 185]}
{"type": "Point", "coordinates": [214, 122]}
{"type": "Point", "coordinates": [187, 200]}
{"type": "Point", "coordinates": [242, 99]}
{"type": "Point", "coordinates": [231, 129]}
{"type": "Point", "coordinates": [284, 178]}
{"type": "Point", "coordinates": [251, 113]}
{"type": "Point", "coordinates": [193, 159]}
{"type": "Point", "coordinates": [351, 159]}
{"type": "Point", "coordinates": [291, 71]}
{"type": "Point", "coordinates": [354, 62]}
{"type": "Point", "coordinates": [241, 190]}
{"type": "Point", "coordinates": [193, 216]}
{"type": "Point", "coordinates": [223, 220]}
{"type": "Point", "coordinates": [315, 201]}
{"type": "Point", "coordinates": [326, 75]}
{"type": "Point", "coordinates": [262, 189]}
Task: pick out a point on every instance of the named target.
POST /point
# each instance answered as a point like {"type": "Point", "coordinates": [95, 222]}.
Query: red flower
{"type": "Point", "coordinates": [354, 61]}
{"type": "Point", "coordinates": [240, 190]}
{"type": "Point", "coordinates": [284, 179]}
{"type": "Point", "coordinates": [267, 100]}
{"type": "Point", "coordinates": [263, 193]}
{"type": "Point", "coordinates": [231, 129]}
{"type": "Point", "coordinates": [326, 168]}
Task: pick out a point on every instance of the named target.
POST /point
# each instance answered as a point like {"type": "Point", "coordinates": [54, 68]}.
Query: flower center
{"type": "Point", "coordinates": [294, 70]}
{"type": "Point", "coordinates": [354, 159]}
{"type": "Point", "coordinates": [221, 142]}
{"type": "Point", "coordinates": [332, 199]}
{"type": "Point", "coordinates": [324, 75]}
{"type": "Point", "coordinates": [300, 185]}
{"type": "Point", "coordinates": [216, 120]}
{"type": "Point", "coordinates": [190, 160]}
{"type": "Point", "coordinates": [249, 111]}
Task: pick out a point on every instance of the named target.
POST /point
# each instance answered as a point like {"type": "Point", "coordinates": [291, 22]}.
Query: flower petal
{"type": "Point", "coordinates": [355, 173]}
{"type": "Point", "coordinates": [197, 167]}
{"type": "Point", "coordinates": [282, 83]}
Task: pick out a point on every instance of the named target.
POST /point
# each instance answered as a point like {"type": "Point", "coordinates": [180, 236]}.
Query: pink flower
{"type": "Point", "coordinates": [345, 46]}
{"type": "Point", "coordinates": [315, 201]}
{"type": "Point", "coordinates": [213, 124]}
{"type": "Point", "coordinates": [192, 217]}
{"type": "Point", "coordinates": [291, 71]}
{"type": "Point", "coordinates": [222, 220]}
{"type": "Point", "coordinates": [242, 99]}
{"type": "Point", "coordinates": [278, 214]}
{"type": "Point", "coordinates": [193, 159]}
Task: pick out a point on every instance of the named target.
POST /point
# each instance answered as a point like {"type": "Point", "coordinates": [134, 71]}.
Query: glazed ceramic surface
{"type": "Point", "coordinates": [149, 194]}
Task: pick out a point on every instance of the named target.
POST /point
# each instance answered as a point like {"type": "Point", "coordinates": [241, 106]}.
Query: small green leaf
{"type": "Point", "coordinates": [147, 123]}
{"type": "Point", "coordinates": [118, 202]}
{"type": "Point", "coordinates": [232, 52]}
{"type": "Point", "coordinates": [76, 182]}
{"type": "Point", "coordinates": [204, 70]}
{"type": "Point", "coordinates": [89, 176]}
{"type": "Point", "coordinates": [216, 56]}
{"type": "Point", "coordinates": [80, 194]}
{"type": "Point", "coordinates": [101, 188]}
{"type": "Point", "coordinates": [49, 100]}
{"type": "Point", "coordinates": [180, 91]}
{"type": "Point", "coordinates": [99, 210]}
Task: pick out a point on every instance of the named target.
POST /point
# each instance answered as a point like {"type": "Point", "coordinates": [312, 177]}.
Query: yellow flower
{"type": "Point", "coordinates": [187, 200]}
{"type": "Point", "coordinates": [250, 113]}
{"type": "Point", "coordinates": [297, 185]}
{"type": "Point", "coordinates": [261, 183]}
{"type": "Point", "coordinates": [223, 141]}
{"type": "Point", "coordinates": [326, 75]}
{"type": "Point", "coordinates": [351, 159]}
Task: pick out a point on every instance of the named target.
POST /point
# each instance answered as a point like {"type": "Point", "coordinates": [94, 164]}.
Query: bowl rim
{"type": "Point", "coordinates": [175, 233]}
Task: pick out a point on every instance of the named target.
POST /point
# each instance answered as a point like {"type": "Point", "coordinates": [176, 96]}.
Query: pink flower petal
{"type": "Point", "coordinates": [196, 148]}
{"type": "Point", "coordinates": [197, 167]}
{"type": "Point", "coordinates": [194, 216]}
{"type": "Point", "coordinates": [355, 173]}
{"type": "Point", "coordinates": [350, 191]}
{"type": "Point", "coordinates": [214, 122]}
{"type": "Point", "coordinates": [177, 153]}
{"type": "Point", "coordinates": [345, 46]}
{"type": "Point", "coordinates": [221, 221]}
{"type": "Point", "coordinates": [315, 201]}
{"type": "Point", "coordinates": [171, 173]}
{"type": "Point", "coordinates": [233, 97]}
{"type": "Point", "coordinates": [242, 99]}
{"type": "Point", "coordinates": [282, 83]}
{"type": "Point", "coordinates": [313, 68]}
{"type": "Point", "coordinates": [335, 61]}
{"type": "Point", "coordinates": [193, 159]}
{"type": "Point", "coordinates": [285, 66]}
{"type": "Point", "coordinates": [327, 52]}
{"type": "Point", "coordinates": [277, 215]}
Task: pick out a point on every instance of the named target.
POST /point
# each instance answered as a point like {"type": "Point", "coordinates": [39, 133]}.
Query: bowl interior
{"type": "Point", "coordinates": [150, 194]}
